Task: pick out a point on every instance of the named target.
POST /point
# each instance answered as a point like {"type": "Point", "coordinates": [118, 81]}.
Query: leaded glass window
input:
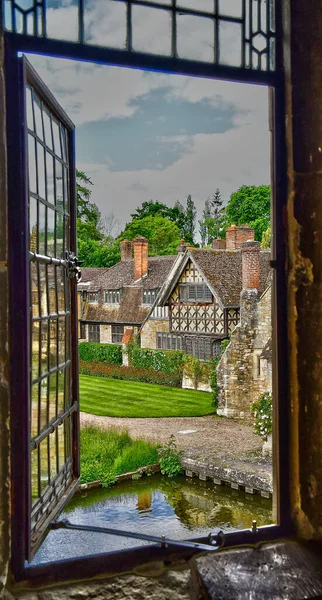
{"type": "Point", "coordinates": [169, 341]}
{"type": "Point", "coordinates": [233, 33]}
{"type": "Point", "coordinates": [51, 401]}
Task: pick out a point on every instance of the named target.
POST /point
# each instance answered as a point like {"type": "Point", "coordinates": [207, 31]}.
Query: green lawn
{"type": "Point", "coordinates": [116, 398]}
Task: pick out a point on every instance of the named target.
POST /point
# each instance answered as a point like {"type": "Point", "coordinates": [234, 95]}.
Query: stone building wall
{"type": "Point", "coordinates": [241, 374]}
{"type": "Point", "coordinates": [149, 332]}
{"type": "Point", "coordinates": [105, 334]}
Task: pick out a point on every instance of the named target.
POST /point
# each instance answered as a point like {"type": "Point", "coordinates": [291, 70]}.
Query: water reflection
{"type": "Point", "coordinates": [180, 509]}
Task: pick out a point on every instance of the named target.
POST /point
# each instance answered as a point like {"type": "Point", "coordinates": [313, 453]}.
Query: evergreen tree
{"type": "Point", "coordinates": [206, 224]}
{"type": "Point", "coordinates": [216, 203]}
{"type": "Point", "coordinates": [190, 221]}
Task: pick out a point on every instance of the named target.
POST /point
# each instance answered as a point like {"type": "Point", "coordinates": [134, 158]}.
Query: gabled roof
{"type": "Point", "coordinates": [222, 271]}
{"type": "Point", "coordinates": [122, 274]}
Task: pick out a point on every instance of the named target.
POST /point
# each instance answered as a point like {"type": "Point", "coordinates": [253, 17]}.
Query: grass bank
{"type": "Point", "coordinates": [107, 453]}
{"type": "Point", "coordinates": [114, 398]}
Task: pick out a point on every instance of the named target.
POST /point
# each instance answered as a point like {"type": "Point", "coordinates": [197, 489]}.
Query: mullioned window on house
{"type": "Point", "coordinates": [149, 296]}
{"type": "Point", "coordinates": [94, 333]}
{"type": "Point", "coordinates": [112, 296]}
{"type": "Point", "coordinates": [117, 334]}
{"type": "Point", "coordinates": [92, 297]}
{"type": "Point", "coordinates": [195, 293]}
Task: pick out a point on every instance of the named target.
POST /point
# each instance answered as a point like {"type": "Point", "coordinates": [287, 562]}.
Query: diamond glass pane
{"type": "Point", "coordinates": [236, 33]}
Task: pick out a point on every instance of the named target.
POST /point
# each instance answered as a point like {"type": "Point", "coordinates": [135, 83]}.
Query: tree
{"type": "Point", "coordinates": [216, 204]}
{"type": "Point", "coordinates": [250, 205]}
{"type": "Point", "coordinates": [89, 226]}
{"type": "Point", "coordinates": [154, 208]}
{"type": "Point", "coordinates": [189, 221]}
{"type": "Point", "coordinates": [266, 238]}
{"type": "Point", "coordinates": [163, 235]}
{"type": "Point", "coordinates": [206, 224]}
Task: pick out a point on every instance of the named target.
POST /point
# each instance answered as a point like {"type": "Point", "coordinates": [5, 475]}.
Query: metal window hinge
{"type": "Point", "coordinates": [215, 542]}
{"type": "Point", "coordinates": [73, 265]}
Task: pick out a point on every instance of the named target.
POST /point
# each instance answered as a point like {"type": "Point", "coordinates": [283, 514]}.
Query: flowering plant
{"type": "Point", "coordinates": [262, 412]}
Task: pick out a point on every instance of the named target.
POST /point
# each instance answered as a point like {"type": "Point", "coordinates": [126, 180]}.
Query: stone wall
{"type": "Point", "coordinates": [241, 374]}
{"type": "Point", "coordinates": [149, 332]}
{"type": "Point", "coordinates": [105, 334]}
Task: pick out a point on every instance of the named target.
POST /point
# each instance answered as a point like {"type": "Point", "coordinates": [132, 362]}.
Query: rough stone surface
{"type": "Point", "coordinates": [241, 374]}
{"type": "Point", "coordinates": [172, 584]}
{"type": "Point", "coordinates": [151, 327]}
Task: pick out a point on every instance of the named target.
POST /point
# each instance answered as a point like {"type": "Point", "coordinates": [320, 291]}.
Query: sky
{"type": "Point", "coordinates": [144, 135]}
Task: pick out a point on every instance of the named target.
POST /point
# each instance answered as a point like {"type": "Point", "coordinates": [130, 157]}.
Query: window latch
{"type": "Point", "coordinates": [73, 266]}
{"type": "Point", "coordinates": [215, 541]}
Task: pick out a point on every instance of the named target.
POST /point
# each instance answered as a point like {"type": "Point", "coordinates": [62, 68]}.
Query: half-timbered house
{"type": "Point", "coordinates": [202, 295]}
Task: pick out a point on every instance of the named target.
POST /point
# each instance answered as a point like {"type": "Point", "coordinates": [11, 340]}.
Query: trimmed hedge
{"type": "Point", "coordinates": [104, 353]}
{"type": "Point", "coordinates": [169, 362]}
{"type": "Point", "coordinates": [129, 374]}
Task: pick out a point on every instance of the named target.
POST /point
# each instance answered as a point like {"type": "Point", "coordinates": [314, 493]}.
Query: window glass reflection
{"type": "Point", "coordinates": [32, 164]}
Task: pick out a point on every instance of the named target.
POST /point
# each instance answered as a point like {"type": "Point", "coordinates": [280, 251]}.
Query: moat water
{"type": "Point", "coordinates": [179, 508]}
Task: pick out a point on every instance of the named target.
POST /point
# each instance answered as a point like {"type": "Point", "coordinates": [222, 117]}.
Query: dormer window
{"type": "Point", "coordinates": [195, 293]}
{"type": "Point", "coordinates": [92, 297]}
{"type": "Point", "coordinates": [149, 296]}
{"type": "Point", "coordinates": [112, 296]}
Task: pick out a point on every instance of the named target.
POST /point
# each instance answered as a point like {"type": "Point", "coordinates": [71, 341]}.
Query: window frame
{"type": "Point", "coordinates": [93, 294]}
{"type": "Point", "coordinates": [150, 293]}
{"type": "Point", "coordinates": [82, 330]}
{"type": "Point", "coordinates": [117, 294]}
{"type": "Point", "coordinates": [186, 288]}
{"type": "Point", "coordinates": [117, 333]}
{"type": "Point", "coordinates": [68, 570]}
{"type": "Point", "coordinates": [95, 334]}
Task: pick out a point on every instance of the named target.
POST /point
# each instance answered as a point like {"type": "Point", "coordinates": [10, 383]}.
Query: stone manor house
{"type": "Point", "coordinates": [191, 301]}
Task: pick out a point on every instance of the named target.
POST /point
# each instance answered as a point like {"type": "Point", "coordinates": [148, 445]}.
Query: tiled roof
{"type": "Point", "coordinates": [223, 270]}
{"type": "Point", "coordinates": [121, 276]}
{"type": "Point", "coordinates": [123, 273]}
{"type": "Point", "coordinates": [91, 277]}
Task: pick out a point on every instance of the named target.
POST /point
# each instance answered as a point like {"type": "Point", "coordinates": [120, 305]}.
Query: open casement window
{"type": "Point", "coordinates": [43, 296]}
{"type": "Point", "coordinates": [43, 152]}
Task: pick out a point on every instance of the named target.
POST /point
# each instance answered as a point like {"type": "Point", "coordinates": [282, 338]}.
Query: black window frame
{"type": "Point", "coordinates": [94, 333]}
{"type": "Point", "coordinates": [117, 332]}
{"type": "Point", "coordinates": [82, 568]}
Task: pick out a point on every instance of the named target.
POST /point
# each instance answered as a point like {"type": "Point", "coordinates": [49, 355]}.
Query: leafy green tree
{"type": "Point", "coordinates": [190, 221]}
{"type": "Point", "coordinates": [163, 234]}
{"type": "Point", "coordinates": [266, 238]}
{"type": "Point", "coordinates": [250, 205]}
{"type": "Point", "coordinates": [154, 208]}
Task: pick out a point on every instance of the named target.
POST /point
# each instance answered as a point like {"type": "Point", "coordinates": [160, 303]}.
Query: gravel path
{"type": "Point", "coordinates": [203, 436]}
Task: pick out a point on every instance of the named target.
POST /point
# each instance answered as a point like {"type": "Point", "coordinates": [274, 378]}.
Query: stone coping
{"type": "Point", "coordinates": [150, 469]}
{"type": "Point", "coordinates": [244, 477]}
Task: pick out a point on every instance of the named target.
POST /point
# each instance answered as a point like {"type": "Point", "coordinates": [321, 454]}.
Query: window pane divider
{"type": "Point", "coordinates": [52, 426]}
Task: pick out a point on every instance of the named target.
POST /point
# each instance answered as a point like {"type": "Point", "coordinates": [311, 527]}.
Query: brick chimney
{"type": "Point", "coordinates": [218, 244]}
{"type": "Point", "coordinates": [250, 265]}
{"type": "Point", "coordinates": [140, 247]}
{"type": "Point", "coordinates": [235, 236]}
{"type": "Point", "coordinates": [182, 247]}
{"type": "Point", "coordinates": [126, 250]}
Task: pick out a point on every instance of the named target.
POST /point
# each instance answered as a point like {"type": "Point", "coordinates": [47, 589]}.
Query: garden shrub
{"type": "Point", "coordinates": [262, 412]}
{"type": "Point", "coordinates": [108, 353]}
{"type": "Point", "coordinates": [164, 361]}
{"type": "Point", "coordinates": [169, 458]}
{"type": "Point", "coordinates": [129, 374]}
